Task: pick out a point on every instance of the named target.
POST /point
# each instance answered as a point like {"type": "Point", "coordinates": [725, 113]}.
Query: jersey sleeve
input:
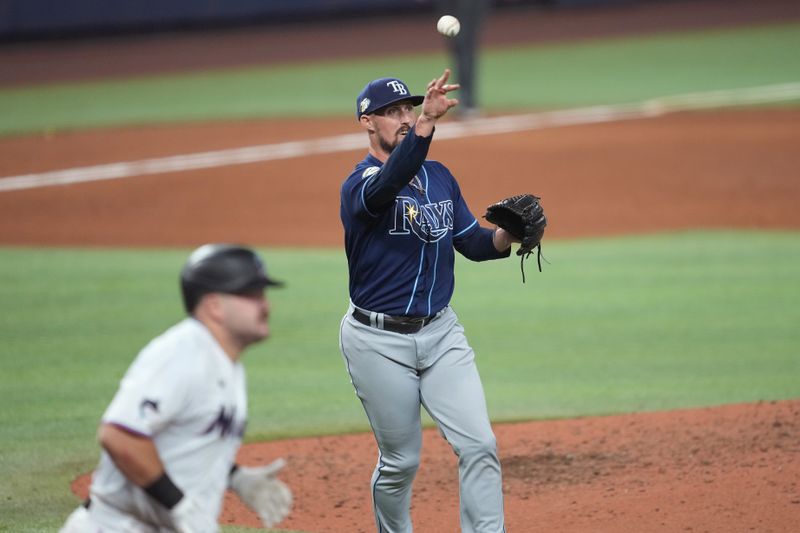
{"type": "Point", "coordinates": [401, 167]}
{"type": "Point", "coordinates": [153, 392]}
{"type": "Point", "coordinates": [371, 190]}
{"type": "Point", "coordinates": [354, 188]}
{"type": "Point", "coordinates": [471, 239]}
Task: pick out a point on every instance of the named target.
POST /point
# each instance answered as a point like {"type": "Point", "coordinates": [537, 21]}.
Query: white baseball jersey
{"type": "Point", "coordinates": [184, 392]}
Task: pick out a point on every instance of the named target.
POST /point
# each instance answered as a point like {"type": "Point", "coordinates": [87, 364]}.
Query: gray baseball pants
{"type": "Point", "coordinates": [394, 375]}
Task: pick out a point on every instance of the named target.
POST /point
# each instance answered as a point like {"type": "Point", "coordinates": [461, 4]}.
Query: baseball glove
{"type": "Point", "coordinates": [523, 217]}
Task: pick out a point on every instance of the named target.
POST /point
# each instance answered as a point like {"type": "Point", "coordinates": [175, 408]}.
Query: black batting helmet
{"type": "Point", "coordinates": [227, 268]}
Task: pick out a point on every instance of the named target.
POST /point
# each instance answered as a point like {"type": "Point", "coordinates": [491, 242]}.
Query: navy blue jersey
{"type": "Point", "coordinates": [402, 221]}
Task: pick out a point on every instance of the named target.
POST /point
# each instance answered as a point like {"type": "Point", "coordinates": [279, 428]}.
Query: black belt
{"type": "Point", "coordinates": [397, 324]}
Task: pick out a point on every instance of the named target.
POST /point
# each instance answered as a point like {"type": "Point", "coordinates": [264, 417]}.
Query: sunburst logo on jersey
{"type": "Point", "coordinates": [411, 213]}
{"type": "Point", "coordinates": [429, 222]}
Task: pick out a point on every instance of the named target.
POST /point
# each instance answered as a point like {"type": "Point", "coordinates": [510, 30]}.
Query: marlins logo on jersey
{"type": "Point", "coordinates": [225, 424]}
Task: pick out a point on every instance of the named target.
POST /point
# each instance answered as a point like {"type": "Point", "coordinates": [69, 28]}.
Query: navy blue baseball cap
{"type": "Point", "coordinates": [381, 93]}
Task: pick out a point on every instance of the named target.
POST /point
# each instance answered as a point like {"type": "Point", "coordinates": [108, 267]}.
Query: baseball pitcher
{"type": "Point", "coordinates": [404, 217]}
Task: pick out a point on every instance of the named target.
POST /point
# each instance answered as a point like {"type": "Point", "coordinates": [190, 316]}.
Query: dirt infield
{"type": "Point", "coordinates": [732, 169]}
{"type": "Point", "coordinates": [732, 468]}
{"type": "Point", "coordinates": [726, 469]}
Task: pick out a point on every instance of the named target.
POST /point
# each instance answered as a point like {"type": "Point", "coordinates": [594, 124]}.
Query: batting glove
{"type": "Point", "coordinates": [262, 491]}
{"type": "Point", "coordinates": [188, 516]}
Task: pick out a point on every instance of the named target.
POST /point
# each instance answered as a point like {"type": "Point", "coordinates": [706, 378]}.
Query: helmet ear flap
{"type": "Point", "coordinates": [192, 293]}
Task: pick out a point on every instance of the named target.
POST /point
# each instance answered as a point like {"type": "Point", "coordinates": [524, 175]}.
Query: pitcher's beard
{"type": "Point", "coordinates": [389, 146]}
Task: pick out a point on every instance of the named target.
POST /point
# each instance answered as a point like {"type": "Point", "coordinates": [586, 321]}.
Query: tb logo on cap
{"type": "Point", "coordinates": [398, 87]}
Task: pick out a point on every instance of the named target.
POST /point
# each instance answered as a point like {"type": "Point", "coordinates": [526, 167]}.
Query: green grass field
{"type": "Point", "coordinates": [563, 75]}
{"type": "Point", "coordinates": [611, 325]}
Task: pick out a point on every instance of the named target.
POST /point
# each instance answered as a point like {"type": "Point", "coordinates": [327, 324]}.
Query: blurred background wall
{"type": "Point", "coordinates": [33, 19]}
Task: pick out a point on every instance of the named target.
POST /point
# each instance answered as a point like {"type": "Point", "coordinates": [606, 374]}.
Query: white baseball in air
{"type": "Point", "coordinates": [448, 25]}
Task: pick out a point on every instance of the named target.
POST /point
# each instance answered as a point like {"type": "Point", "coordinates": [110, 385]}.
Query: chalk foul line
{"type": "Point", "coordinates": [451, 130]}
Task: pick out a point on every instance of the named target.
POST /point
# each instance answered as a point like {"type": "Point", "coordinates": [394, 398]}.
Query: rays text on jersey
{"type": "Point", "coordinates": [429, 222]}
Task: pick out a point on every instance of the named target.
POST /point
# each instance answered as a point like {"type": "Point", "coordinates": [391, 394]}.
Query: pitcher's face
{"type": "Point", "coordinates": [391, 124]}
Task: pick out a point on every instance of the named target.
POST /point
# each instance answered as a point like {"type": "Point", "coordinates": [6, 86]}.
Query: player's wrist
{"type": "Point", "coordinates": [425, 125]}
{"type": "Point", "coordinates": [164, 491]}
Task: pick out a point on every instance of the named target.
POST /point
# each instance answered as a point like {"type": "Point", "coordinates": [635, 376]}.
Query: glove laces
{"type": "Point", "coordinates": [525, 255]}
